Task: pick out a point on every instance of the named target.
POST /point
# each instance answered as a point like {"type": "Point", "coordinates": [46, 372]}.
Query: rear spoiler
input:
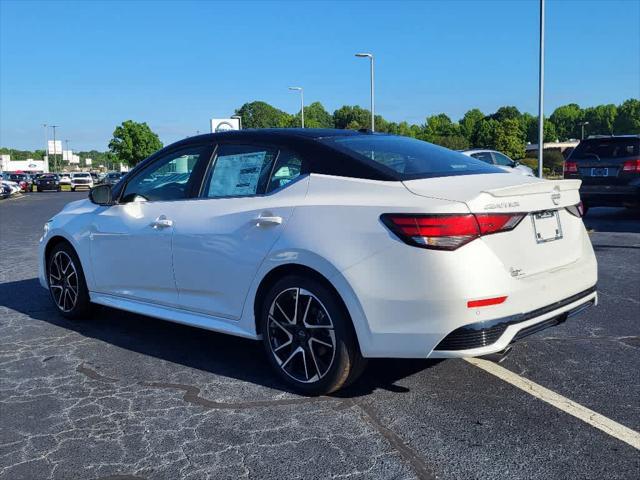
{"type": "Point", "coordinates": [547, 186]}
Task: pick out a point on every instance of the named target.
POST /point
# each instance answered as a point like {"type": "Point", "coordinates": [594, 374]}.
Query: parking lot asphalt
{"type": "Point", "coordinates": [122, 396]}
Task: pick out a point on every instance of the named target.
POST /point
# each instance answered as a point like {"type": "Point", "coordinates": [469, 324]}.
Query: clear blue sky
{"type": "Point", "coordinates": [88, 66]}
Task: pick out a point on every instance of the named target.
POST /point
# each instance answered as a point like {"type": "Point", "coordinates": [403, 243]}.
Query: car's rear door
{"type": "Point", "coordinates": [248, 194]}
{"type": "Point", "coordinates": [131, 241]}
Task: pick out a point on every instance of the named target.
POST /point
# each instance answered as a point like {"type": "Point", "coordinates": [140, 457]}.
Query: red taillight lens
{"type": "Point", "coordinates": [485, 302]}
{"type": "Point", "coordinates": [631, 166]}
{"type": "Point", "coordinates": [447, 232]}
{"type": "Point", "coordinates": [498, 222]}
{"type": "Point", "coordinates": [570, 167]}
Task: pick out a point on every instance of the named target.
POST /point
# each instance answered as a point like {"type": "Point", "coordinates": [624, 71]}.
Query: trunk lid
{"type": "Point", "coordinates": [532, 247]}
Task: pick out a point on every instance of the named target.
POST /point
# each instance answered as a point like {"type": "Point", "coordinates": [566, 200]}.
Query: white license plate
{"type": "Point", "coordinates": [599, 172]}
{"type": "Point", "coordinates": [546, 226]}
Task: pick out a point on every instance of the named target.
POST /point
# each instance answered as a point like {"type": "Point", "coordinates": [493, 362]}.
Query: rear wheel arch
{"type": "Point", "coordinates": [294, 269]}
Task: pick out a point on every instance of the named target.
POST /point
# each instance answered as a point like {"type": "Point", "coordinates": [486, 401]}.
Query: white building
{"type": "Point", "coordinates": [29, 165]}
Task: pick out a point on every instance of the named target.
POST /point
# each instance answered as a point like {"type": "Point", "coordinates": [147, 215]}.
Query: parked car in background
{"type": "Point", "coordinates": [65, 179]}
{"type": "Point", "coordinates": [609, 168]}
{"type": "Point", "coordinates": [112, 178]}
{"type": "Point", "coordinates": [22, 179]}
{"type": "Point", "coordinates": [95, 177]}
{"type": "Point", "coordinates": [8, 188]}
{"type": "Point", "coordinates": [48, 181]}
{"type": "Point", "coordinates": [500, 160]}
{"type": "Point", "coordinates": [329, 246]}
{"type": "Point", "coordinates": [81, 180]}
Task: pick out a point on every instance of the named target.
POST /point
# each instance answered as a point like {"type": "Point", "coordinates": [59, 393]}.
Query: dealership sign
{"type": "Point", "coordinates": [224, 124]}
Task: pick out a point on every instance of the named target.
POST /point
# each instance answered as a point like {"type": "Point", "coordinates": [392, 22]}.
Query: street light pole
{"type": "Point", "coordinates": [582, 124]}
{"type": "Point", "coordinates": [541, 94]}
{"type": "Point", "coordinates": [373, 113]}
{"type": "Point", "coordinates": [46, 145]}
{"type": "Point", "coordinates": [55, 150]}
{"type": "Point", "coordinates": [301, 90]}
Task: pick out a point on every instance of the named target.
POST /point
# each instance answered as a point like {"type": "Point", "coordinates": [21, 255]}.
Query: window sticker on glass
{"type": "Point", "coordinates": [238, 174]}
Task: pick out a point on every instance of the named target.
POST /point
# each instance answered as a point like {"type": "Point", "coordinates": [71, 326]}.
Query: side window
{"type": "Point", "coordinates": [503, 160]}
{"type": "Point", "coordinates": [239, 170]}
{"type": "Point", "coordinates": [166, 179]}
{"type": "Point", "coordinates": [288, 167]}
{"type": "Point", "coordinates": [483, 156]}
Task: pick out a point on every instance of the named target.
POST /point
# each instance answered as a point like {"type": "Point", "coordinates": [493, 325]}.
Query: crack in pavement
{"type": "Point", "coordinates": [192, 395]}
{"type": "Point", "coordinates": [420, 467]}
{"type": "Point", "coordinates": [92, 374]}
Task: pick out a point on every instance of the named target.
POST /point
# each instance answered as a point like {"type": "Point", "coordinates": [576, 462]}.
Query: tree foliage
{"type": "Point", "coordinates": [132, 142]}
{"type": "Point", "coordinates": [628, 117]}
{"type": "Point", "coordinates": [262, 115]}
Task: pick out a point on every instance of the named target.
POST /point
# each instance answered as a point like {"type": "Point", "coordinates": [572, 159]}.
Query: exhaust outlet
{"type": "Point", "coordinates": [497, 357]}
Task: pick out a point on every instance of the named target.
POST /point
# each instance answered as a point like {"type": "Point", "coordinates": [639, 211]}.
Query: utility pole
{"type": "Point", "coordinates": [301, 90]}
{"type": "Point", "coordinates": [541, 94]}
{"type": "Point", "coordinates": [46, 145]}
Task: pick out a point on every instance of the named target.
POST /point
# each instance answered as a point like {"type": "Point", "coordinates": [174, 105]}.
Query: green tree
{"type": "Point", "coordinates": [566, 119]}
{"type": "Point", "coordinates": [601, 119]}
{"type": "Point", "coordinates": [507, 112]}
{"type": "Point", "coordinates": [628, 117]}
{"type": "Point", "coordinates": [509, 138]}
{"type": "Point", "coordinates": [352, 117]}
{"type": "Point", "coordinates": [132, 142]}
{"type": "Point", "coordinates": [550, 134]}
{"type": "Point", "coordinates": [469, 124]}
{"type": "Point", "coordinates": [260, 114]}
{"type": "Point", "coordinates": [315, 116]}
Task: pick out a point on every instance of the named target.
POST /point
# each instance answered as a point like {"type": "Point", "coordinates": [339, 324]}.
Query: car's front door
{"type": "Point", "coordinates": [247, 197]}
{"type": "Point", "coordinates": [131, 241]}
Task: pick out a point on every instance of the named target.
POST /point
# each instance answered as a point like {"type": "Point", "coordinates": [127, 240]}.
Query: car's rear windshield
{"type": "Point", "coordinates": [114, 175]}
{"type": "Point", "coordinates": [409, 158]}
{"type": "Point", "coordinates": [81, 175]}
{"type": "Point", "coordinates": [594, 148]}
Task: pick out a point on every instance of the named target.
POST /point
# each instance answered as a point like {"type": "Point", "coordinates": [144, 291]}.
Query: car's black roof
{"type": "Point", "coordinates": [319, 157]}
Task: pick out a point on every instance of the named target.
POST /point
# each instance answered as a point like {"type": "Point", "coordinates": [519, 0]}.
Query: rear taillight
{"type": "Point", "coordinates": [576, 210]}
{"type": "Point", "coordinates": [448, 232]}
{"type": "Point", "coordinates": [631, 165]}
{"type": "Point", "coordinates": [570, 167]}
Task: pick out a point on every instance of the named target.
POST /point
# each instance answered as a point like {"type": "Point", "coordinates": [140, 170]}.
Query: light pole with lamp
{"type": "Point", "coordinates": [541, 93]}
{"type": "Point", "coordinates": [582, 124]}
{"type": "Point", "coordinates": [373, 114]}
{"type": "Point", "coordinates": [301, 90]}
{"type": "Point", "coordinates": [55, 149]}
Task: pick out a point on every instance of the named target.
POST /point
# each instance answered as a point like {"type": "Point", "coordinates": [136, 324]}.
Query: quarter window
{"type": "Point", "coordinates": [165, 179]}
{"type": "Point", "coordinates": [239, 170]}
{"type": "Point", "coordinates": [288, 167]}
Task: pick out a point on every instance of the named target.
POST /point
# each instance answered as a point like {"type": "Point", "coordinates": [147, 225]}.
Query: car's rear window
{"type": "Point", "coordinates": [607, 148]}
{"type": "Point", "coordinates": [409, 158]}
{"type": "Point", "coordinates": [81, 175]}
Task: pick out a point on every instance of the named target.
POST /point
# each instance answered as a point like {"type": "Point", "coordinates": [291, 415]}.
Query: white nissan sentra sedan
{"type": "Point", "coordinates": [330, 246]}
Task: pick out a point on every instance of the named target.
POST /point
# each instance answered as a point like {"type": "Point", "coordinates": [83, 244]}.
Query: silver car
{"type": "Point", "coordinates": [500, 160]}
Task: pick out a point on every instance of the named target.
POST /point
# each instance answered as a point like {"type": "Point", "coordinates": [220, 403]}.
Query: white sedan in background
{"type": "Point", "coordinates": [330, 246]}
{"type": "Point", "coordinates": [500, 160]}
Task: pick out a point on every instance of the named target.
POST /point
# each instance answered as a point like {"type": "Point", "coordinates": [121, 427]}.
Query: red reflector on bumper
{"type": "Point", "coordinates": [485, 302]}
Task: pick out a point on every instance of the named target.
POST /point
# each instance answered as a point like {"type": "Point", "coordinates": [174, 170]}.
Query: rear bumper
{"type": "Point", "coordinates": [492, 336]}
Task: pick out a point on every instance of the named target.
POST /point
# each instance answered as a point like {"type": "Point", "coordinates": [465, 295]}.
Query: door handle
{"type": "Point", "coordinates": [162, 222]}
{"type": "Point", "coordinates": [267, 220]}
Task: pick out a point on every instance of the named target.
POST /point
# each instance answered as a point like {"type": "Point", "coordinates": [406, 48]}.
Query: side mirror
{"type": "Point", "coordinates": [101, 195]}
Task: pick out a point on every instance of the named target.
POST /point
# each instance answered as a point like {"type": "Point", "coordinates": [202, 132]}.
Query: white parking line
{"type": "Point", "coordinates": [594, 419]}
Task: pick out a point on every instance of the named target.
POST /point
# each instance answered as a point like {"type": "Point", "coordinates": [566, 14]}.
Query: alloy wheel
{"type": "Point", "coordinates": [63, 281]}
{"type": "Point", "coordinates": [301, 335]}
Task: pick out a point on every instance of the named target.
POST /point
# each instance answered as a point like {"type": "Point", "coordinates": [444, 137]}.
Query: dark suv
{"type": "Point", "coordinates": [609, 168]}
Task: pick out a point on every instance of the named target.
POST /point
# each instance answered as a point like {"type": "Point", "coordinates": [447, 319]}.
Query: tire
{"type": "Point", "coordinates": [73, 189]}
{"type": "Point", "coordinates": [39, 190]}
{"type": "Point", "coordinates": [316, 360]}
{"type": "Point", "coordinates": [59, 189]}
{"type": "Point", "coordinates": [64, 279]}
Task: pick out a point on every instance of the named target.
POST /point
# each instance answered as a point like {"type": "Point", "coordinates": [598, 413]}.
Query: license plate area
{"type": "Point", "coordinates": [546, 226]}
{"type": "Point", "coordinates": [600, 172]}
